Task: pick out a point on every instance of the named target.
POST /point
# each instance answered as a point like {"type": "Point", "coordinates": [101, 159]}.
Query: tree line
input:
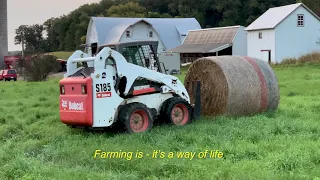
{"type": "Point", "coordinates": [68, 32]}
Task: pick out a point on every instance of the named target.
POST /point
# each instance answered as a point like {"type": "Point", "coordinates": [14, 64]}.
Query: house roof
{"type": "Point", "coordinates": [110, 29]}
{"type": "Point", "coordinates": [274, 16]}
{"type": "Point", "coordinates": [207, 40]}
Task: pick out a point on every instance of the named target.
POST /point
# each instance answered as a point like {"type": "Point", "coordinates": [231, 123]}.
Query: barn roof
{"type": "Point", "coordinates": [207, 40]}
{"type": "Point", "coordinates": [274, 16]}
{"type": "Point", "coordinates": [110, 29]}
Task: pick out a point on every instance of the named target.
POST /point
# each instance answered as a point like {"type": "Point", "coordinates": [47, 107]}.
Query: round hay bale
{"type": "Point", "coordinates": [272, 83]}
{"type": "Point", "coordinates": [234, 85]}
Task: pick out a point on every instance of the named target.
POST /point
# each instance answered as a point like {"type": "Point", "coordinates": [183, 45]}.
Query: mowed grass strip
{"type": "Point", "coordinates": [280, 145]}
{"type": "Point", "coordinates": [62, 54]}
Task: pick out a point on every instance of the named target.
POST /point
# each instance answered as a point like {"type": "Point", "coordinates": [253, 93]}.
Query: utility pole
{"type": "Point", "coordinates": [22, 42]}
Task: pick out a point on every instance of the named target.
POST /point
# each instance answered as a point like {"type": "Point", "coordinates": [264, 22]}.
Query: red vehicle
{"type": "Point", "coordinates": [8, 75]}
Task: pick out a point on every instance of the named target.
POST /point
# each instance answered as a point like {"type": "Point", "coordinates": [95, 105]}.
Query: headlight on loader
{"type": "Point", "coordinates": [62, 89]}
{"type": "Point", "coordinates": [84, 89]}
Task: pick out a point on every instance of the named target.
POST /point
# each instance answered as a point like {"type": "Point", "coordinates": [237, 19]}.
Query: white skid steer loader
{"type": "Point", "coordinates": [125, 86]}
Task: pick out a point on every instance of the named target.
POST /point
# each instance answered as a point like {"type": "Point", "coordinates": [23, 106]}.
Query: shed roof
{"type": "Point", "coordinates": [274, 16]}
{"type": "Point", "coordinates": [110, 29]}
{"type": "Point", "coordinates": [200, 48]}
{"type": "Point", "coordinates": [207, 40]}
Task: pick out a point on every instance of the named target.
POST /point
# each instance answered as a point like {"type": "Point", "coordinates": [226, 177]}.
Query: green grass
{"type": "Point", "coordinates": [62, 54]}
{"type": "Point", "coordinates": [183, 73]}
{"type": "Point", "coordinates": [280, 145]}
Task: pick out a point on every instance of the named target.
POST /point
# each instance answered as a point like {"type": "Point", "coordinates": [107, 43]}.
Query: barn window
{"type": "Point", "coordinates": [260, 35]}
{"type": "Point", "coordinates": [150, 34]}
{"type": "Point", "coordinates": [300, 20]}
{"type": "Point", "coordinates": [128, 33]}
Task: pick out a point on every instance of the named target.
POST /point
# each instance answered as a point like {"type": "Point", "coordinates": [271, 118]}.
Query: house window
{"type": "Point", "coordinates": [300, 20]}
{"type": "Point", "coordinates": [260, 35]}
{"type": "Point", "coordinates": [150, 34]}
{"type": "Point", "coordinates": [128, 33]}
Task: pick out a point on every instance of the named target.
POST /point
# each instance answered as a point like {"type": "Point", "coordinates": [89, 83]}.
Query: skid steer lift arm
{"type": "Point", "coordinates": [196, 90]}
{"type": "Point", "coordinates": [132, 72]}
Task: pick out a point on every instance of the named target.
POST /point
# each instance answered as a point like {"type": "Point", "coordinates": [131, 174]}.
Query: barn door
{"type": "Point", "coordinates": [266, 55]}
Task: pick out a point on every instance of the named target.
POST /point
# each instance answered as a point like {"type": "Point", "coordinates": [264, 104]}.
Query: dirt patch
{"type": "Point", "coordinates": [60, 75]}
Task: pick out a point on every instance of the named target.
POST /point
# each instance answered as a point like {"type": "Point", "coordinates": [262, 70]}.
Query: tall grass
{"type": "Point", "coordinates": [310, 58]}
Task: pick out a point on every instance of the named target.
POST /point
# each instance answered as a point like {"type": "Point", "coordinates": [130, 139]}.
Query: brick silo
{"type": "Point", "coordinates": [3, 31]}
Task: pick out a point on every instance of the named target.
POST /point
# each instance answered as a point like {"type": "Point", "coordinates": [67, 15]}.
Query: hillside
{"type": "Point", "coordinates": [62, 54]}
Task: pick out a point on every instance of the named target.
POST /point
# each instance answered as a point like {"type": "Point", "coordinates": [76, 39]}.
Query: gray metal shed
{"type": "Point", "coordinates": [212, 42]}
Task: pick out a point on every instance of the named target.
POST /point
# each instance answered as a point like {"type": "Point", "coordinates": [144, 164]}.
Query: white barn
{"type": "Point", "coordinates": [283, 32]}
{"type": "Point", "coordinates": [169, 32]}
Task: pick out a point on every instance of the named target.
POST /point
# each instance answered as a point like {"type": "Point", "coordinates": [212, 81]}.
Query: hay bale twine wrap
{"type": "Point", "coordinates": [234, 85]}
{"type": "Point", "coordinates": [272, 84]}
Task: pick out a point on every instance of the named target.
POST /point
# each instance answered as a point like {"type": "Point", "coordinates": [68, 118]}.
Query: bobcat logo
{"type": "Point", "coordinates": [64, 104]}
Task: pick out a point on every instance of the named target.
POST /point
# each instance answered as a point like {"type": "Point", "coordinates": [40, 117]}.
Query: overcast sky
{"type": "Point", "coordinates": [22, 12]}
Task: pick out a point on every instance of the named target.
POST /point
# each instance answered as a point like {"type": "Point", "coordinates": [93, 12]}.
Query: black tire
{"type": "Point", "coordinates": [180, 106]}
{"type": "Point", "coordinates": [15, 79]}
{"type": "Point", "coordinates": [129, 111]}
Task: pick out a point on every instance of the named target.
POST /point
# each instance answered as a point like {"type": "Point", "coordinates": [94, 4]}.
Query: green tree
{"type": "Point", "coordinates": [32, 36]}
{"type": "Point", "coordinates": [61, 26]}
{"type": "Point", "coordinates": [51, 39]}
{"type": "Point", "coordinates": [130, 9]}
{"type": "Point", "coordinates": [314, 5]}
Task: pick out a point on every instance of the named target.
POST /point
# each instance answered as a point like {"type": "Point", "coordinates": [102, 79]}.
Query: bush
{"type": "Point", "coordinates": [38, 67]}
{"type": "Point", "coordinates": [312, 58]}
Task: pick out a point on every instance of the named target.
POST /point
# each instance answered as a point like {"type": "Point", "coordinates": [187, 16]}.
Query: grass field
{"type": "Point", "coordinates": [280, 145]}
{"type": "Point", "coordinates": [62, 54]}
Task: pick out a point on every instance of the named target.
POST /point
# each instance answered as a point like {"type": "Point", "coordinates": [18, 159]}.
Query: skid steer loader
{"type": "Point", "coordinates": [123, 84]}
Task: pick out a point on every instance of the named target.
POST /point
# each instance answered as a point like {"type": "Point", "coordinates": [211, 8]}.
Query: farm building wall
{"type": "Point", "coordinates": [92, 36]}
{"type": "Point", "coordinates": [171, 62]}
{"type": "Point", "coordinates": [140, 32]}
{"type": "Point", "coordinates": [294, 41]}
{"type": "Point", "coordinates": [266, 42]}
{"type": "Point", "coordinates": [240, 43]}
{"type": "Point", "coordinates": [191, 57]}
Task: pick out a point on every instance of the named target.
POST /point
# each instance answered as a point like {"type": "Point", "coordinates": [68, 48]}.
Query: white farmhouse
{"type": "Point", "coordinates": [169, 32]}
{"type": "Point", "coordinates": [283, 32]}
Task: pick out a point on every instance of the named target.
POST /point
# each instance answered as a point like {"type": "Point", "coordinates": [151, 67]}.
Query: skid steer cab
{"type": "Point", "coordinates": [107, 90]}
